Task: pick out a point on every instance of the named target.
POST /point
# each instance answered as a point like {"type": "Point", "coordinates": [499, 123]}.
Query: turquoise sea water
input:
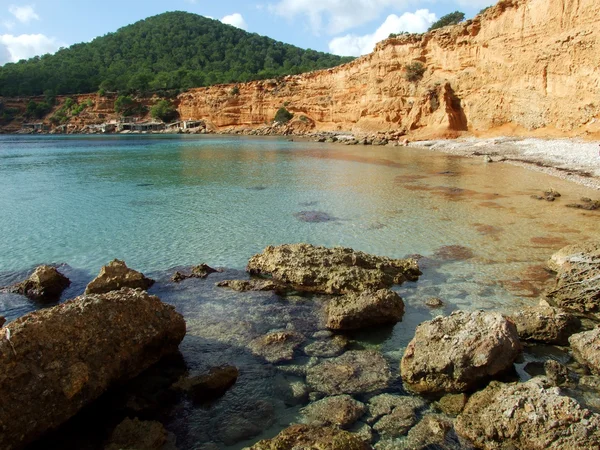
{"type": "Point", "coordinates": [160, 202]}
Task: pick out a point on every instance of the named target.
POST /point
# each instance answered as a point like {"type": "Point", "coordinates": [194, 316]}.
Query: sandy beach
{"type": "Point", "coordinates": [570, 159]}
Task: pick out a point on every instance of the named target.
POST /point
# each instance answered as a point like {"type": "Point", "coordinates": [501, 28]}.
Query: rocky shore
{"type": "Point", "coordinates": [456, 387]}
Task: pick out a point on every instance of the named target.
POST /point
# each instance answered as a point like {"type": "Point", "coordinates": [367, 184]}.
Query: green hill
{"type": "Point", "coordinates": [174, 50]}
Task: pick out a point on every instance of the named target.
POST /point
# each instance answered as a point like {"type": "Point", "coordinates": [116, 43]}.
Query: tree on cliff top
{"type": "Point", "coordinates": [449, 19]}
{"type": "Point", "coordinates": [174, 50]}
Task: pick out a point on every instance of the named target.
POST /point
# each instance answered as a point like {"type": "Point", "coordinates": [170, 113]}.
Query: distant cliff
{"type": "Point", "coordinates": [521, 67]}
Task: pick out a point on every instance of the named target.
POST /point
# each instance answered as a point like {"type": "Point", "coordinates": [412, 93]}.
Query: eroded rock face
{"type": "Point", "coordinates": [586, 348]}
{"type": "Point", "coordinates": [545, 324]}
{"type": "Point", "coordinates": [400, 417]}
{"type": "Point", "coordinates": [117, 275]}
{"type": "Point", "coordinates": [210, 386]}
{"type": "Point", "coordinates": [529, 416]}
{"type": "Point", "coordinates": [82, 347]}
{"type": "Point", "coordinates": [577, 285]}
{"type": "Point", "coordinates": [323, 270]}
{"type": "Point", "coordinates": [138, 434]}
{"type": "Point", "coordinates": [456, 353]}
{"type": "Point", "coordinates": [340, 410]}
{"type": "Point", "coordinates": [307, 437]}
{"type": "Point", "coordinates": [45, 284]}
{"type": "Point", "coordinates": [352, 373]}
{"type": "Point", "coordinates": [277, 346]}
{"type": "Point", "coordinates": [366, 309]}
{"type": "Point", "coordinates": [430, 433]}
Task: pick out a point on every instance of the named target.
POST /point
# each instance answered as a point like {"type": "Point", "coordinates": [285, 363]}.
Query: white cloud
{"type": "Point", "coordinates": [8, 24]}
{"type": "Point", "coordinates": [15, 48]}
{"type": "Point", "coordinates": [24, 14]}
{"type": "Point", "coordinates": [193, 2]}
{"type": "Point", "coordinates": [336, 16]}
{"type": "Point", "coordinates": [236, 20]}
{"type": "Point", "coordinates": [353, 45]}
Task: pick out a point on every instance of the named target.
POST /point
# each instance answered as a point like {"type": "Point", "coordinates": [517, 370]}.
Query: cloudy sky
{"type": "Point", "coordinates": [344, 27]}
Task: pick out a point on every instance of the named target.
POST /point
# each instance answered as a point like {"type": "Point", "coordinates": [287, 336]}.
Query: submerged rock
{"type": "Point", "coordinates": [365, 309]}
{"type": "Point", "coordinates": [456, 353]}
{"type": "Point", "coordinates": [453, 253]}
{"type": "Point", "coordinates": [354, 372]}
{"type": "Point", "coordinates": [201, 271]}
{"type": "Point", "coordinates": [117, 275]}
{"type": "Point", "coordinates": [45, 284]}
{"type": "Point", "coordinates": [384, 404]}
{"type": "Point", "coordinates": [340, 410]}
{"type": "Point", "coordinates": [431, 432]}
{"type": "Point", "coordinates": [307, 437]}
{"type": "Point", "coordinates": [210, 386]}
{"type": "Point", "coordinates": [434, 302]}
{"type": "Point", "coordinates": [586, 349]}
{"type": "Point", "coordinates": [314, 216]}
{"type": "Point", "coordinates": [545, 324]}
{"type": "Point", "coordinates": [60, 359]}
{"type": "Point", "coordinates": [327, 348]}
{"type": "Point", "coordinates": [394, 415]}
{"type": "Point", "coordinates": [139, 435]}
{"type": "Point", "coordinates": [252, 285]}
{"type": "Point", "coordinates": [248, 421]}
{"type": "Point", "coordinates": [528, 416]}
{"type": "Point", "coordinates": [277, 346]}
{"type": "Point", "coordinates": [577, 285]}
{"type": "Point", "coordinates": [323, 270]}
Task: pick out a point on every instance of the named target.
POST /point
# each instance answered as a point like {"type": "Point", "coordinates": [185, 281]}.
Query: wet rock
{"type": "Point", "coordinates": [545, 324]}
{"type": "Point", "coordinates": [529, 416]}
{"type": "Point", "coordinates": [293, 393]}
{"type": "Point", "coordinates": [251, 421]}
{"type": "Point", "coordinates": [365, 309]}
{"type": "Point", "coordinates": [453, 404]}
{"type": "Point", "coordinates": [252, 285]}
{"type": "Point", "coordinates": [331, 271]}
{"type": "Point", "coordinates": [384, 404]}
{"type": "Point", "coordinates": [277, 346]}
{"type": "Point", "coordinates": [434, 302]}
{"type": "Point", "coordinates": [577, 285]}
{"type": "Point", "coordinates": [45, 284]}
{"type": "Point", "coordinates": [549, 195]}
{"type": "Point", "coordinates": [400, 419]}
{"type": "Point", "coordinates": [363, 431]}
{"type": "Point", "coordinates": [137, 434]}
{"type": "Point", "coordinates": [558, 374]}
{"type": "Point", "coordinates": [455, 353]}
{"type": "Point", "coordinates": [352, 373]}
{"type": "Point", "coordinates": [327, 348]}
{"type": "Point", "coordinates": [210, 386]}
{"type": "Point", "coordinates": [201, 271]}
{"type": "Point", "coordinates": [341, 410]}
{"type": "Point", "coordinates": [588, 204]}
{"type": "Point", "coordinates": [307, 437]}
{"type": "Point", "coordinates": [2, 321]}
{"type": "Point", "coordinates": [586, 349]}
{"type": "Point", "coordinates": [117, 275]}
{"type": "Point", "coordinates": [60, 359]}
{"type": "Point", "coordinates": [432, 432]}
{"type": "Point", "coordinates": [314, 216]}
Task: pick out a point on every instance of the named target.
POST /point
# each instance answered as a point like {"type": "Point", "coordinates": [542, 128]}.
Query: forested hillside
{"type": "Point", "coordinates": [174, 50]}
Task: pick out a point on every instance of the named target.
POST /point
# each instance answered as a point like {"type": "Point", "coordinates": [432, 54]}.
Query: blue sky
{"type": "Point", "coordinates": [348, 27]}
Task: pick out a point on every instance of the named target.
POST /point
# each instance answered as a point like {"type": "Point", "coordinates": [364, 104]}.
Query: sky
{"type": "Point", "coordinates": [343, 27]}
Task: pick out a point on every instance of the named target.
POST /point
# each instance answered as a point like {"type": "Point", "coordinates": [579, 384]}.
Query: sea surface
{"type": "Point", "coordinates": [166, 202]}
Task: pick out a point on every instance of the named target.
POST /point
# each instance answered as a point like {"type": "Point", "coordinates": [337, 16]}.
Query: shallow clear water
{"type": "Point", "coordinates": [162, 202]}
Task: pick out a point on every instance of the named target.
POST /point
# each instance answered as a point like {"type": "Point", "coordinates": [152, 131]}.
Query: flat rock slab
{"type": "Point", "coordinates": [338, 270]}
{"type": "Point", "coordinates": [545, 324]}
{"type": "Point", "coordinates": [307, 437]}
{"type": "Point", "coordinates": [456, 353]}
{"type": "Point", "coordinates": [339, 410]}
{"type": "Point", "coordinates": [586, 349]}
{"type": "Point", "coordinates": [355, 372]}
{"type": "Point", "coordinates": [277, 346]}
{"type": "Point", "coordinates": [117, 275]}
{"type": "Point", "coordinates": [528, 416]}
{"type": "Point", "coordinates": [365, 309]}
{"type": "Point", "coordinates": [60, 359]}
{"type": "Point", "coordinates": [257, 285]}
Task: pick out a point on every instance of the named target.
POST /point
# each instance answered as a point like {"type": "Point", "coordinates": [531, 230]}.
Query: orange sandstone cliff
{"type": "Point", "coordinates": [521, 66]}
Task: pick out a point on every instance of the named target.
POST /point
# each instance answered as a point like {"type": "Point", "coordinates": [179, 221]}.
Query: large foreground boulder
{"type": "Point", "coordinates": [117, 275]}
{"type": "Point", "coordinates": [45, 284]}
{"type": "Point", "coordinates": [56, 361]}
{"type": "Point", "coordinates": [527, 416]}
{"type": "Point", "coordinates": [305, 267]}
{"type": "Point", "coordinates": [456, 353]}
{"type": "Point", "coordinates": [307, 437]}
{"type": "Point", "coordinates": [586, 349]}
{"type": "Point", "coordinates": [577, 285]}
{"type": "Point", "coordinates": [366, 309]}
